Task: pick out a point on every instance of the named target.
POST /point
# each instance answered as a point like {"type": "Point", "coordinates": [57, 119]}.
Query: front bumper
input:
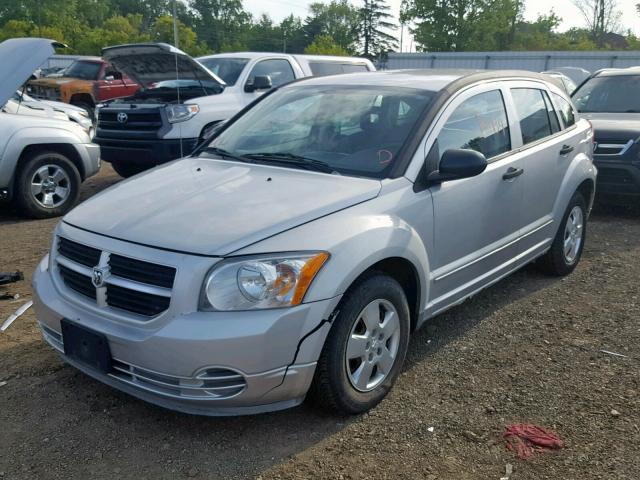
{"type": "Point", "coordinates": [147, 152]}
{"type": "Point", "coordinates": [270, 354]}
{"type": "Point", "coordinates": [617, 178]}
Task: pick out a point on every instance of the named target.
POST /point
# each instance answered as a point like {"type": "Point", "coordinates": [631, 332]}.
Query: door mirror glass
{"type": "Point", "coordinates": [457, 163]}
{"type": "Point", "coordinates": [259, 82]}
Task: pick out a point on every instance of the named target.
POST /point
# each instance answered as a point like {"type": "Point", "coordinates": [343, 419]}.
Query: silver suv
{"type": "Point", "coordinates": [299, 249]}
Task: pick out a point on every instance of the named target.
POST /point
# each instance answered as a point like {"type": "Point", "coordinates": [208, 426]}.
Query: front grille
{"type": "Point", "coordinates": [135, 286]}
{"type": "Point", "coordinates": [135, 301]}
{"type": "Point", "coordinates": [77, 282]}
{"type": "Point", "coordinates": [215, 383]}
{"type": "Point", "coordinates": [79, 253]}
{"type": "Point", "coordinates": [149, 121]}
{"type": "Point", "coordinates": [143, 272]}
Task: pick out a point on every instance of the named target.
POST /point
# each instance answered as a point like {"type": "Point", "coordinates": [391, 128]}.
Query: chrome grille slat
{"type": "Point", "coordinates": [135, 286]}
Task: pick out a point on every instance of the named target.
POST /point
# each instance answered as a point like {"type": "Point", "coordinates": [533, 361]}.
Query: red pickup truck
{"type": "Point", "coordinates": [85, 83]}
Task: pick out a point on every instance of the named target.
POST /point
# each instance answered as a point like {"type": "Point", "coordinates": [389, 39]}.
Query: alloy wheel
{"type": "Point", "coordinates": [50, 186]}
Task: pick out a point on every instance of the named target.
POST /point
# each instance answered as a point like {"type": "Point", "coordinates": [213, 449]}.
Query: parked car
{"type": "Point", "coordinates": [84, 83]}
{"type": "Point", "coordinates": [565, 82]}
{"type": "Point", "coordinates": [302, 246]}
{"type": "Point", "coordinates": [24, 104]}
{"type": "Point", "coordinates": [163, 122]}
{"type": "Point", "coordinates": [577, 74]}
{"type": "Point", "coordinates": [43, 160]}
{"type": "Point", "coordinates": [610, 99]}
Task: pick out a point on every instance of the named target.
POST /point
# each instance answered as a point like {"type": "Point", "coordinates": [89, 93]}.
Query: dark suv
{"type": "Point", "coordinates": [610, 99]}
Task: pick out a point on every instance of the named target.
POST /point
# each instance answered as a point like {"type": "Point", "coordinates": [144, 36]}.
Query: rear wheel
{"type": "Point", "coordinates": [566, 249]}
{"type": "Point", "coordinates": [48, 185]}
{"type": "Point", "coordinates": [127, 170]}
{"type": "Point", "coordinates": [365, 349]}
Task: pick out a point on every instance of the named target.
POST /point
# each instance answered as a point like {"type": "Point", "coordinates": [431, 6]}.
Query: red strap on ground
{"type": "Point", "coordinates": [526, 439]}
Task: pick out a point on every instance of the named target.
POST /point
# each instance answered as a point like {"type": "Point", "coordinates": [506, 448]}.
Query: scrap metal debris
{"type": "Point", "coordinates": [10, 277]}
{"type": "Point", "coordinates": [14, 316]}
{"type": "Point", "coordinates": [527, 439]}
{"type": "Point", "coordinates": [613, 353]}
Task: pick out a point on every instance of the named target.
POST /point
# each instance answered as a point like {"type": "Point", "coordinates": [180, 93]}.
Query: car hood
{"type": "Point", "coordinates": [19, 58]}
{"type": "Point", "coordinates": [215, 207]}
{"type": "Point", "coordinates": [149, 63]}
{"type": "Point", "coordinates": [614, 126]}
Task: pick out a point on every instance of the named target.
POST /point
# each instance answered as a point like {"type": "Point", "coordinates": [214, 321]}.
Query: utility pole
{"type": "Point", "coordinates": [401, 35]}
{"type": "Point", "coordinates": [176, 40]}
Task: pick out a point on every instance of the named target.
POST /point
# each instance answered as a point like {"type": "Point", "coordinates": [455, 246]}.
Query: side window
{"type": "Point", "coordinates": [479, 123]}
{"type": "Point", "coordinates": [565, 109]}
{"type": "Point", "coordinates": [553, 118]}
{"type": "Point", "coordinates": [532, 114]}
{"type": "Point", "coordinates": [354, 68]}
{"type": "Point", "coordinates": [320, 69]}
{"type": "Point", "coordinates": [279, 70]}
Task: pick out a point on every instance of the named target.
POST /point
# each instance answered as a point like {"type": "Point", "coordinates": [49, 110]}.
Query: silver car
{"type": "Point", "coordinates": [298, 250]}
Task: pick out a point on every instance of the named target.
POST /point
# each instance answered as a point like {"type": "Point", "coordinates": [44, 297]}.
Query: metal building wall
{"type": "Point", "coordinates": [534, 61]}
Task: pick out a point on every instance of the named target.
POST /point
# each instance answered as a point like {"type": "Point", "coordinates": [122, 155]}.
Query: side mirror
{"type": "Point", "coordinates": [458, 163]}
{"type": "Point", "coordinates": [259, 82]}
{"type": "Point", "coordinates": [109, 78]}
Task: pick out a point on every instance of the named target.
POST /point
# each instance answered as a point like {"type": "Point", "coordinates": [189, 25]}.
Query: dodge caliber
{"type": "Point", "coordinates": [296, 251]}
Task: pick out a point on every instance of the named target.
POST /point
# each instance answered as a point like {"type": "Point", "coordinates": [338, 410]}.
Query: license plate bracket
{"type": "Point", "coordinates": [86, 346]}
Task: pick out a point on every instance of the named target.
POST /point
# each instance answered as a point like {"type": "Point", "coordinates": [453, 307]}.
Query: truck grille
{"type": "Point", "coordinates": [135, 286]}
{"type": "Point", "coordinates": [145, 121]}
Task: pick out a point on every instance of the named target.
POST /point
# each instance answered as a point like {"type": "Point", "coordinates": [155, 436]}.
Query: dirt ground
{"type": "Point", "coordinates": [526, 350]}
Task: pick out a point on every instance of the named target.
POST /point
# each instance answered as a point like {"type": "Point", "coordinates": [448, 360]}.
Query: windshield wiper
{"type": "Point", "coordinates": [292, 159]}
{"type": "Point", "coordinates": [221, 152]}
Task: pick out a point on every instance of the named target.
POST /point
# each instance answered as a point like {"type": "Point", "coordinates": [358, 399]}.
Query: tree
{"type": "Point", "coordinates": [374, 26]}
{"type": "Point", "coordinates": [162, 31]}
{"type": "Point", "coordinates": [324, 45]}
{"type": "Point", "coordinates": [337, 19]}
{"type": "Point", "coordinates": [220, 22]}
{"type": "Point", "coordinates": [601, 17]}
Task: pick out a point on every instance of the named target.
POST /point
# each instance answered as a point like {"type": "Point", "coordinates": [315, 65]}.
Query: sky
{"type": "Point", "coordinates": [571, 16]}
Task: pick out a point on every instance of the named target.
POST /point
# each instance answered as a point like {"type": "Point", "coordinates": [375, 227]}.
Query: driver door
{"type": "Point", "coordinates": [476, 220]}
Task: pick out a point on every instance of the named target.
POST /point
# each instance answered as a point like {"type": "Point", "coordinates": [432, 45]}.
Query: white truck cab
{"type": "Point", "coordinates": [177, 107]}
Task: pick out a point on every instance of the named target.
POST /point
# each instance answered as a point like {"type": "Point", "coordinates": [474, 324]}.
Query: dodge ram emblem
{"type": "Point", "coordinates": [99, 275]}
{"type": "Point", "coordinates": [122, 117]}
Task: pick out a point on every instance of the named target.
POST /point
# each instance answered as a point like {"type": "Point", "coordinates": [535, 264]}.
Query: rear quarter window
{"type": "Point", "coordinates": [565, 109]}
{"type": "Point", "coordinates": [321, 69]}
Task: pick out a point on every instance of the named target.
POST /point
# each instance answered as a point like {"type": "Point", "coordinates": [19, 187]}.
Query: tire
{"type": "Point", "coordinates": [557, 261]}
{"type": "Point", "coordinates": [126, 170]}
{"type": "Point", "coordinates": [47, 185]}
{"type": "Point", "coordinates": [88, 107]}
{"type": "Point", "coordinates": [343, 385]}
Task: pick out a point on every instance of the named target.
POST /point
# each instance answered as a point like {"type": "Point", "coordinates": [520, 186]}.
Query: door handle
{"type": "Point", "coordinates": [512, 173]}
{"type": "Point", "coordinates": [566, 149]}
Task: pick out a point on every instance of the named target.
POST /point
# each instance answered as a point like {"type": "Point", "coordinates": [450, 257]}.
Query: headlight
{"type": "Point", "coordinates": [258, 283]}
{"type": "Point", "coordinates": [180, 113]}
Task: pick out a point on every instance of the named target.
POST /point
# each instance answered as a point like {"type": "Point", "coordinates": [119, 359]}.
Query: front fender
{"type": "Point", "coordinates": [28, 136]}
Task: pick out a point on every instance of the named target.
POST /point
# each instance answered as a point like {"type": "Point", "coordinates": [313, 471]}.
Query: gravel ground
{"type": "Point", "coordinates": [526, 350]}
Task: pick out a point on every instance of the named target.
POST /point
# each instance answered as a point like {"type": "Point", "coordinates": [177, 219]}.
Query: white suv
{"type": "Point", "coordinates": [42, 160]}
{"type": "Point", "coordinates": [182, 99]}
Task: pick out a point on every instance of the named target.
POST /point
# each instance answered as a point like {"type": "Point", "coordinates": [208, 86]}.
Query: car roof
{"type": "Point", "coordinates": [252, 55]}
{"type": "Point", "coordinates": [426, 79]}
{"type": "Point", "coordinates": [613, 72]}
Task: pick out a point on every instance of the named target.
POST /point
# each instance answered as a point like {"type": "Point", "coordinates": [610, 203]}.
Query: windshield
{"type": "Point", "coordinates": [615, 94]}
{"type": "Point", "coordinates": [354, 130]}
{"type": "Point", "coordinates": [228, 69]}
{"type": "Point", "coordinates": [83, 70]}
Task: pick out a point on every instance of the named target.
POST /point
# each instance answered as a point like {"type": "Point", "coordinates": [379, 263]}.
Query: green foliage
{"type": "Point", "coordinates": [374, 28]}
{"type": "Point", "coordinates": [324, 45]}
{"type": "Point", "coordinates": [338, 20]}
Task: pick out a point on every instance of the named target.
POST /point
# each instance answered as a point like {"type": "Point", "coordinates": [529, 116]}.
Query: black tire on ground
{"type": "Point", "coordinates": [32, 204]}
{"type": "Point", "coordinates": [555, 262]}
{"type": "Point", "coordinates": [88, 107]}
{"type": "Point", "coordinates": [332, 388]}
{"type": "Point", "coordinates": [126, 170]}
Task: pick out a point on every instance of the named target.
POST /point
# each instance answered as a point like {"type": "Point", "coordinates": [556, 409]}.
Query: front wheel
{"type": "Point", "coordinates": [568, 244]}
{"type": "Point", "coordinates": [365, 349]}
{"type": "Point", "coordinates": [48, 185]}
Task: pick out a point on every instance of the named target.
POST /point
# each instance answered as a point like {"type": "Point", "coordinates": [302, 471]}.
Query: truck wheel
{"type": "Point", "coordinates": [566, 249]}
{"type": "Point", "coordinates": [365, 348]}
{"type": "Point", "coordinates": [48, 185]}
{"type": "Point", "coordinates": [126, 170]}
{"type": "Point", "coordinates": [88, 107]}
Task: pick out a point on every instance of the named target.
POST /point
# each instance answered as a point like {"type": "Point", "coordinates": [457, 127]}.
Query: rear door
{"type": "Point", "coordinates": [546, 149]}
{"type": "Point", "coordinates": [477, 220]}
